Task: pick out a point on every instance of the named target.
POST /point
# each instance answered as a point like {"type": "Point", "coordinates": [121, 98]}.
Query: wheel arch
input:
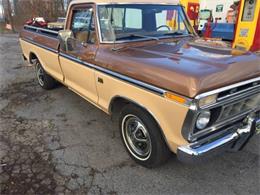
{"type": "Point", "coordinates": [32, 57]}
{"type": "Point", "coordinates": [117, 103]}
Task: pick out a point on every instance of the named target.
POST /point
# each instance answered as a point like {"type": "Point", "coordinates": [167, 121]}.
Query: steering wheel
{"type": "Point", "coordinates": [163, 26]}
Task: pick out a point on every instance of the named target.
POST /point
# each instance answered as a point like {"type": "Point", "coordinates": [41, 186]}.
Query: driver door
{"type": "Point", "coordinates": [81, 50]}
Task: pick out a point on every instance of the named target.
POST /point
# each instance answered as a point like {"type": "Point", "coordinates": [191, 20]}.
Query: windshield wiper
{"type": "Point", "coordinates": [137, 36]}
{"type": "Point", "coordinates": [178, 33]}
{"type": "Point", "coordinates": [132, 36]}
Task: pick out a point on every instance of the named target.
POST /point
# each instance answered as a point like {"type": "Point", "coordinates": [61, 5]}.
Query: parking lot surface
{"type": "Point", "coordinates": [54, 142]}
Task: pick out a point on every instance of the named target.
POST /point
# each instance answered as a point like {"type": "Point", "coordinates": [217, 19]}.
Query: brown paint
{"type": "Point", "coordinates": [40, 39]}
{"type": "Point", "coordinates": [171, 64]}
{"type": "Point", "coordinates": [185, 70]}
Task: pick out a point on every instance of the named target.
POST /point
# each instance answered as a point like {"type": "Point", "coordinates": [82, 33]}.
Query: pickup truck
{"type": "Point", "coordinates": [139, 61]}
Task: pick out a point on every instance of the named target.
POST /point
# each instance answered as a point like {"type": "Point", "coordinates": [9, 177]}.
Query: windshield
{"type": "Point", "coordinates": [205, 14]}
{"type": "Point", "coordinates": [128, 22]}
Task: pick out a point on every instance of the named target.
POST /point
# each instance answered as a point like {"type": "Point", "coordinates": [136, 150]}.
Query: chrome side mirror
{"type": "Point", "coordinates": [66, 40]}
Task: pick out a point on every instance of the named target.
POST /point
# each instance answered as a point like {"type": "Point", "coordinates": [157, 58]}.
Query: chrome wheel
{"type": "Point", "coordinates": [136, 137]}
{"type": "Point", "coordinates": [40, 74]}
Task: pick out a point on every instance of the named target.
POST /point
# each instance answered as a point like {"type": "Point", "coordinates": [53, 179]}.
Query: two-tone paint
{"type": "Point", "coordinates": [140, 72]}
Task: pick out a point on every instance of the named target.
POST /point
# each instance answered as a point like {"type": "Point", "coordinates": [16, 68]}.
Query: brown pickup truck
{"type": "Point", "coordinates": [140, 62]}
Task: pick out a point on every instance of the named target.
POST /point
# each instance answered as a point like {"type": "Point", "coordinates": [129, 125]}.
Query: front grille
{"type": "Point", "coordinates": [232, 107]}
{"type": "Point", "coordinates": [240, 107]}
{"type": "Point", "coordinates": [239, 90]}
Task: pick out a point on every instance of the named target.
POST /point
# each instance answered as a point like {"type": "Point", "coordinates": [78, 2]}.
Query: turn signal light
{"type": "Point", "coordinates": [174, 97]}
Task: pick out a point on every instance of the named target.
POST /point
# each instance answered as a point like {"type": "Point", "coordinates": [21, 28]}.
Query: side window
{"type": "Point", "coordinates": [83, 25]}
{"type": "Point", "coordinates": [133, 18]}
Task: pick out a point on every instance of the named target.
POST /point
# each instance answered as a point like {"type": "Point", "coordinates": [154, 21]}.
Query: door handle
{"type": "Point", "coordinates": [100, 80]}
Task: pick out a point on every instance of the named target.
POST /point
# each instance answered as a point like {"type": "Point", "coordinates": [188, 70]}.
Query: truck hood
{"type": "Point", "coordinates": [181, 67]}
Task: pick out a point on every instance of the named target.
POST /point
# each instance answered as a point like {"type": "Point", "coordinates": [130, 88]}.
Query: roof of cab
{"type": "Point", "coordinates": [172, 2]}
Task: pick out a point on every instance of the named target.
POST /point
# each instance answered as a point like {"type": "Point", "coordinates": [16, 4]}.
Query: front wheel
{"type": "Point", "coordinates": [142, 137]}
{"type": "Point", "coordinates": [44, 80]}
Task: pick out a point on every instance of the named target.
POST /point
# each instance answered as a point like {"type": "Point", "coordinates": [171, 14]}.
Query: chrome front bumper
{"type": "Point", "coordinates": [235, 141]}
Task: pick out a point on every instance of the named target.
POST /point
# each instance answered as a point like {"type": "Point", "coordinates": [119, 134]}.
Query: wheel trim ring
{"type": "Point", "coordinates": [40, 75]}
{"type": "Point", "coordinates": [126, 141]}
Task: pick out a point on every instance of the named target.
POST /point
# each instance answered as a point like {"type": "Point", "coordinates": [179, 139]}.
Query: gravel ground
{"type": "Point", "coordinates": [54, 142]}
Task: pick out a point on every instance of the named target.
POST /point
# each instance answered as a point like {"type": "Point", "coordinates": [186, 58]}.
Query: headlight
{"type": "Point", "coordinates": [203, 120]}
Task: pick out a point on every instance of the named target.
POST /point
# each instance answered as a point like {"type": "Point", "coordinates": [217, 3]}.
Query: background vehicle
{"type": "Point", "coordinates": [37, 22]}
{"type": "Point", "coordinates": [58, 25]}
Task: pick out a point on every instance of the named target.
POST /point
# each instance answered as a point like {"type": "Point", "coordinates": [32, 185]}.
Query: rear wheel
{"type": "Point", "coordinates": [44, 80]}
{"type": "Point", "coordinates": [142, 137]}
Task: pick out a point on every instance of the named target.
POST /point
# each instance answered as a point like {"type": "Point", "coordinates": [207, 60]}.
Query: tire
{"type": "Point", "coordinates": [142, 137]}
{"type": "Point", "coordinates": [44, 80]}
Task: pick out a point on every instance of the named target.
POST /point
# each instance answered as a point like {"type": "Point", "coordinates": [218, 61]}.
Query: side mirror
{"type": "Point", "coordinates": [66, 40]}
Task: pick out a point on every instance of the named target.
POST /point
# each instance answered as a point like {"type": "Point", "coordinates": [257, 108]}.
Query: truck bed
{"type": "Point", "coordinates": [47, 39]}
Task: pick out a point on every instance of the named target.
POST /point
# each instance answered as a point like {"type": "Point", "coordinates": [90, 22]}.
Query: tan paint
{"type": "Point", "coordinates": [169, 114]}
{"type": "Point", "coordinates": [25, 48]}
{"type": "Point", "coordinates": [48, 59]}
{"type": "Point", "coordinates": [83, 81]}
{"type": "Point", "coordinates": [80, 79]}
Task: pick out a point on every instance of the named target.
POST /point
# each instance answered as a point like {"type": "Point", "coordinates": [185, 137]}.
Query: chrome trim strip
{"type": "Point", "coordinates": [98, 25]}
{"type": "Point", "coordinates": [242, 91]}
{"type": "Point", "coordinates": [138, 83]}
{"type": "Point", "coordinates": [232, 98]}
{"type": "Point", "coordinates": [204, 147]}
{"type": "Point", "coordinates": [141, 39]}
{"type": "Point", "coordinates": [190, 150]}
{"type": "Point", "coordinates": [226, 88]}
{"type": "Point", "coordinates": [123, 3]}
{"type": "Point", "coordinates": [41, 29]}
{"type": "Point", "coordinates": [117, 75]}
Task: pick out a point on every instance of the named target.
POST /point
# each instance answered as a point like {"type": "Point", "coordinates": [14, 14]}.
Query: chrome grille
{"type": "Point", "coordinates": [240, 107]}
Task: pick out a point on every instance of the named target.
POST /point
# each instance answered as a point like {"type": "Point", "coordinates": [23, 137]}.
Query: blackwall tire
{"type": "Point", "coordinates": [44, 80]}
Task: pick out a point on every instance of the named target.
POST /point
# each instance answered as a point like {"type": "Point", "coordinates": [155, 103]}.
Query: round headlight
{"type": "Point", "coordinates": [203, 120]}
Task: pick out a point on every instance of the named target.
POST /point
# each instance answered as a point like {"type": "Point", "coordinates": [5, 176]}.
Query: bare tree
{"type": "Point", "coordinates": [8, 13]}
{"type": "Point", "coordinates": [2, 8]}
{"type": "Point", "coordinates": [62, 5]}
{"type": "Point", "coordinates": [23, 10]}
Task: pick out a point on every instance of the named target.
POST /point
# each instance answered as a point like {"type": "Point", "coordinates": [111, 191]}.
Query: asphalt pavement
{"type": "Point", "coordinates": [54, 142]}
